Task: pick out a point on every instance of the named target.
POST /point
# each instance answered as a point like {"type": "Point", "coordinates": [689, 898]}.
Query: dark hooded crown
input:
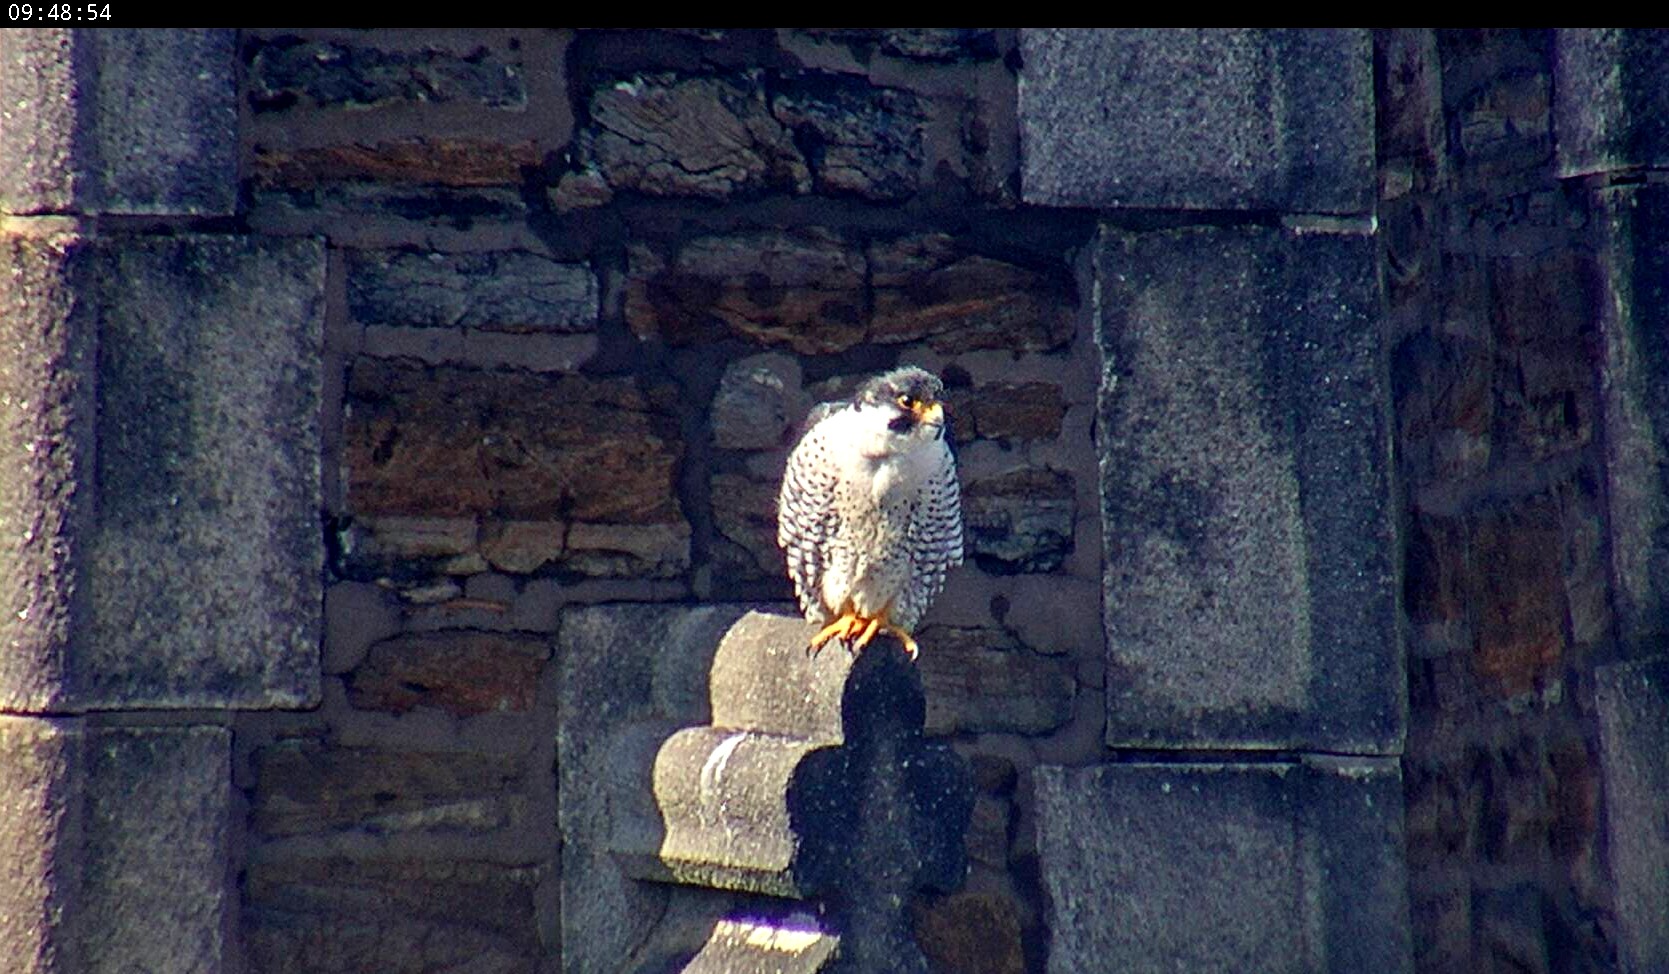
{"type": "Point", "coordinates": [918, 384]}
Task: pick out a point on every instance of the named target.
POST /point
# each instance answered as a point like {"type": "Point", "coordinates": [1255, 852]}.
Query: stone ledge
{"type": "Point", "coordinates": [165, 475]}
{"type": "Point", "coordinates": [113, 847]}
{"type": "Point", "coordinates": [1633, 704]}
{"type": "Point", "coordinates": [119, 121]}
{"type": "Point", "coordinates": [1289, 866]}
{"type": "Point", "coordinates": [1634, 396]}
{"type": "Point", "coordinates": [1609, 102]}
{"type": "Point", "coordinates": [1250, 581]}
{"type": "Point", "coordinates": [1198, 119]}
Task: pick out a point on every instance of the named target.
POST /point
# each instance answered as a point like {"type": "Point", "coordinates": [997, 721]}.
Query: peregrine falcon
{"type": "Point", "coordinates": [870, 515]}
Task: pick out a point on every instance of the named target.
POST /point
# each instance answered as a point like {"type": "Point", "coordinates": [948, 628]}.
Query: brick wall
{"type": "Point", "coordinates": [583, 287]}
{"type": "Point", "coordinates": [1492, 282]}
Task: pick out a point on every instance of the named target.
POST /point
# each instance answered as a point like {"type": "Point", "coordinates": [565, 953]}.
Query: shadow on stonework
{"type": "Point", "coordinates": [781, 823]}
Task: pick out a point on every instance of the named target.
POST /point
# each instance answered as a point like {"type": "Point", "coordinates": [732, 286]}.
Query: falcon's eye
{"type": "Point", "coordinates": [905, 401]}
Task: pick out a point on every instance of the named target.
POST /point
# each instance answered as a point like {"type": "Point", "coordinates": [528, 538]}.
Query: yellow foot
{"type": "Point", "coordinates": [875, 625]}
{"type": "Point", "coordinates": [881, 624]}
{"type": "Point", "coordinates": [842, 628]}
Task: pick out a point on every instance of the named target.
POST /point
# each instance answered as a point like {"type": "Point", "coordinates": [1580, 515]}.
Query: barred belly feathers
{"type": "Point", "coordinates": [870, 514]}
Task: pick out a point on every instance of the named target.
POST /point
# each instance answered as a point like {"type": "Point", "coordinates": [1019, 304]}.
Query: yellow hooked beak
{"type": "Point", "coordinates": [933, 413]}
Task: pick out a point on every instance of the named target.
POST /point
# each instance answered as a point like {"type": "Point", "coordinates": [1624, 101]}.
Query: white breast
{"type": "Point", "coordinates": [874, 460]}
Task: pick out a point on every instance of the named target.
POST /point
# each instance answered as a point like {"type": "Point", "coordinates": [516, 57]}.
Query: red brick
{"type": "Point", "coordinates": [462, 673]}
{"type": "Point", "coordinates": [803, 289]}
{"type": "Point", "coordinates": [970, 933]}
{"type": "Point", "coordinates": [306, 786]}
{"type": "Point", "coordinates": [341, 914]}
{"type": "Point", "coordinates": [1010, 411]}
{"type": "Point", "coordinates": [432, 161]}
{"type": "Point", "coordinates": [1575, 778]}
{"type": "Point", "coordinates": [928, 288]}
{"type": "Point", "coordinates": [1520, 598]}
{"type": "Point", "coordinates": [1435, 583]}
{"type": "Point", "coordinates": [452, 442]}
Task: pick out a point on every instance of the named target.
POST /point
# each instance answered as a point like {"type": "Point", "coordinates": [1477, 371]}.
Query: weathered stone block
{"type": "Point", "coordinates": [361, 212]}
{"type": "Point", "coordinates": [797, 944]}
{"type": "Point", "coordinates": [524, 546]}
{"type": "Point", "coordinates": [723, 796]}
{"type": "Point", "coordinates": [928, 287]}
{"type": "Point", "coordinates": [806, 289]}
{"type": "Point", "coordinates": [1007, 411]}
{"type": "Point", "coordinates": [622, 665]}
{"type": "Point", "coordinates": [113, 846]}
{"type": "Point", "coordinates": [971, 933]}
{"type": "Point", "coordinates": [1198, 119]}
{"type": "Point", "coordinates": [456, 546]}
{"type": "Point", "coordinates": [42, 776]}
{"type": "Point", "coordinates": [1291, 867]}
{"type": "Point", "coordinates": [287, 71]}
{"type": "Point", "coordinates": [724, 813]}
{"type": "Point", "coordinates": [1508, 929]}
{"type": "Point", "coordinates": [758, 403]}
{"type": "Point", "coordinates": [509, 290]}
{"type": "Point", "coordinates": [983, 680]}
{"type": "Point", "coordinates": [1442, 914]}
{"type": "Point", "coordinates": [1634, 327]}
{"type": "Point", "coordinates": [204, 572]}
{"type": "Point", "coordinates": [1633, 704]}
{"type": "Point", "coordinates": [463, 673]}
{"type": "Point", "coordinates": [357, 615]}
{"type": "Point", "coordinates": [305, 787]}
{"type": "Point", "coordinates": [711, 137]}
{"type": "Point", "coordinates": [1437, 585]}
{"type": "Point", "coordinates": [1410, 129]}
{"type": "Point", "coordinates": [1250, 587]}
{"type": "Point", "coordinates": [917, 43]}
{"type": "Point", "coordinates": [1444, 808]}
{"type": "Point", "coordinates": [628, 550]}
{"type": "Point", "coordinates": [1518, 592]}
{"type": "Point", "coordinates": [988, 829]}
{"type": "Point", "coordinates": [865, 141]}
{"type": "Point", "coordinates": [667, 135]}
{"type": "Point", "coordinates": [1444, 404]}
{"type": "Point", "coordinates": [1610, 107]}
{"type": "Point", "coordinates": [119, 121]}
{"type": "Point", "coordinates": [940, 43]}
{"type": "Point", "coordinates": [802, 288]}
{"type": "Point", "coordinates": [48, 337]}
{"type": "Point", "coordinates": [338, 915]}
{"type": "Point", "coordinates": [170, 550]}
{"type": "Point", "coordinates": [1020, 521]}
{"type": "Point", "coordinates": [1497, 98]}
{"type": "Point", "coordinates": [156, 894]}
{"type": "Point", "coordinates": [1541, 310]}
{"type": "Point", "coordinates": [745, 512]}
{"type": "Point", "coordinates": [381, 543]}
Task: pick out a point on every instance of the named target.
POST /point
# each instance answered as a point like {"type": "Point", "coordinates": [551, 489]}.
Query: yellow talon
{"type": "Point", "coordinates": [869, 631]}
{"type": "Point", "coordinates": [842, 627]}
{"type": "Point", "coordinates": [858, 631]}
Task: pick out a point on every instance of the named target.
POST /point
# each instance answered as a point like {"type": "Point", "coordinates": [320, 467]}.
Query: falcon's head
{"type": "Point", "coordinates": [904, 406]}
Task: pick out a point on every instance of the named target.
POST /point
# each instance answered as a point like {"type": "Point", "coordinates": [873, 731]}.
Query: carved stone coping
{"type": "Point", "coordinates": [810, 779]}
{"type": "Point", "coordinates": [807, 759]}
